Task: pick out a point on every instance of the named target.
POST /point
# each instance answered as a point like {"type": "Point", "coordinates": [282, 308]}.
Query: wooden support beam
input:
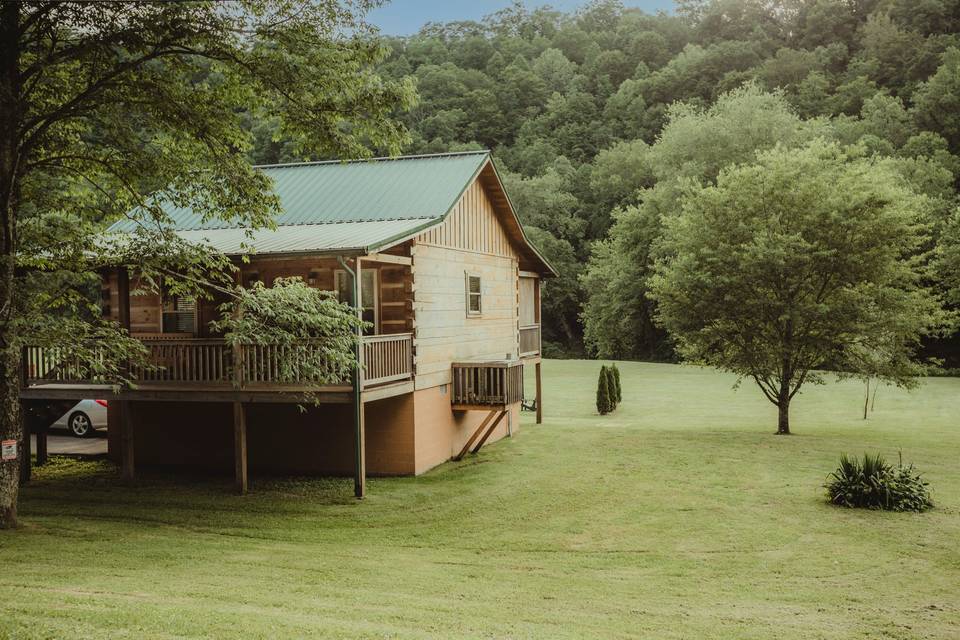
{"type": "Point", "coordinates": [41, 434]}
{"type": "Point", "coordinates": [490, 430]}
{"type": "Point", "coordinates": [388, 258]}
{"type": "Point", "coordinates": [539, 394]}
{"type": "Point", "coordinates": [128, 470]}
{"type": "Point", "coordinates": [359, 411]}
{"type": "Point", "coordinates": [123, 293]}
{"type": "Point", "coordinates": [23, 454]}
{"type": "Point", "coordinates": [476, 434]}
{"type": "Point", "coordinates": [360, 475]}
{"type": "Point", "coordinates": [240, 446]}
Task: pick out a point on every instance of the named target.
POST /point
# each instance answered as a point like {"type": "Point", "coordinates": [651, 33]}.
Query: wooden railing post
{"type": "Point", "coordinates": [24, 367]}
{"type": "Point", "coordinates": [238, 365]}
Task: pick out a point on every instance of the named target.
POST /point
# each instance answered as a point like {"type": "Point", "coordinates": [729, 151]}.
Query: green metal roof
{"type": "Point", "coordinates": [346, 207]}
{"type": "Point", "coordinates": [404, 188]}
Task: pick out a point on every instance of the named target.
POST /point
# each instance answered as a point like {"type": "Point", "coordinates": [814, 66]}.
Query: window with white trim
{"type": "Point", "coordinates": [474, 295]}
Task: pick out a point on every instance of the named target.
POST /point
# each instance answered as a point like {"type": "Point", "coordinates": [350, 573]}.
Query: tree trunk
{"type": "Point", "coordinates": [783, 419]}
{"type": "Point", "coordinates": [866, 400]}
{"type": "Point", "coordinates": [10, 172]}
{"type": "Point", "coordinates": [783, 409]}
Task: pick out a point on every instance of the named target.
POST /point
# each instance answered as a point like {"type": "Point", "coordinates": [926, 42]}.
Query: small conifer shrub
{"type": "Point", "coordinates": [612, 388]}
{"type": "Point", "coordinates": [604, 400]}
{"type": "Point", "coordinates": [617, 391]}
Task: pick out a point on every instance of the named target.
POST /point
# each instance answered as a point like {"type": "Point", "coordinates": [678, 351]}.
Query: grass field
{"type": "Point", "coordinates": [679, 516]}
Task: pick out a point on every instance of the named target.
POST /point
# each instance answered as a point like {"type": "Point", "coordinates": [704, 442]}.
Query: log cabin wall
{"type": "Point", "coordinates": [394, 283]}
{"type": "Point", "coordinates": [471, 241]}
{"type": "Point", "coordinates": [146, 311]}
{"type": "Point", "coordinates": [394, 301]}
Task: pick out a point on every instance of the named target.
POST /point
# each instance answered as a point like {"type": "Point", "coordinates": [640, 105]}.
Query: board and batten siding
{"type": "Point", "coordinates": [470, 241]}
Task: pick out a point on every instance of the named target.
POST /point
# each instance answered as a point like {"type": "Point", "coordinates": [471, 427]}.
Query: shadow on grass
{"type": "Point", "coordinates": [90, 478]}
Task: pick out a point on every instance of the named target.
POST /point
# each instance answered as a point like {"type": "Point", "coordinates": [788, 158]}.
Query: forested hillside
{"type": "Point", "coordinates": [598, 119]}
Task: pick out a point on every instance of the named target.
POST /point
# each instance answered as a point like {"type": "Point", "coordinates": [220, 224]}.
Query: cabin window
{"type": "Point", "coordinates": [474, 295]}
{"type": "Point", "coordinates": [528, 301]}
{"type": "Point", "coordinates": [368, 293]}
{"type": "Point", "coordinates": [249, 278]}
{"type": "Point", "coordinates": [179, 315]}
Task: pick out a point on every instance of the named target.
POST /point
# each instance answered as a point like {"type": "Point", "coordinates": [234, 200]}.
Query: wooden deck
{"type": "Point", "coordinates": [487, 385]}
{"type": "Point", "coordinates": [205, 370]}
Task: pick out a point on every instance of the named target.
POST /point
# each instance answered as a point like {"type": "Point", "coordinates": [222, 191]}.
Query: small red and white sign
{"type": "Point", "coordinates": [8, 449]}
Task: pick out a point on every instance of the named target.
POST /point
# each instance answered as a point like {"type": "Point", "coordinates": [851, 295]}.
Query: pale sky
{"type": "Point", "coordinates": [404, 17]}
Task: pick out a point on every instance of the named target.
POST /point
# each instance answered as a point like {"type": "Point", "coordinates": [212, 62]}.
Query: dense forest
{"type": "Point", "coordinates": [598, 119]}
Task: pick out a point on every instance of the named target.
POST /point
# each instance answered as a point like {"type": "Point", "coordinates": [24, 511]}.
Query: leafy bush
{"type": "Point", "coordinates": [616, 390]}
{"type": "Point", "coordinates": [873, 483]}
{"type": "Point", "coordinates": [604, 399]}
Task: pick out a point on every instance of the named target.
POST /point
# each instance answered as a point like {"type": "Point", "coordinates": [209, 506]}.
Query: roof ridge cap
{"type": "Point", "coordinates": [422, 156]}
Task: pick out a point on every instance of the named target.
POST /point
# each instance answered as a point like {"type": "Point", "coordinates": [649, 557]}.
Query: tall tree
{"type": "Point", "coordinates": [109, 108]}
{"type": "Point", "coordinates": [694, 146]}
{"type": "Point", "coordinates": [803, 260]}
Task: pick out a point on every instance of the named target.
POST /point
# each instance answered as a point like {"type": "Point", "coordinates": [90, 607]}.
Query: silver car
{"type": "Point", "coordinates": [84, 417]}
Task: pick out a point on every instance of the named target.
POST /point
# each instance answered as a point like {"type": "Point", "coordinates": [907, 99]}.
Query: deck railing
{"type": "Point", "coordinates": [530, 340]}
{"type": "Point", "coordinates": [188, 361]}
{"type": "Point", "coordinates": [212, 362]}
{"type": "Point", "coordinates": [42, 365]}
{"type": "Point", "coordinates": [387, 358]}
{"type": "Point", "coordinates": [498, 383]}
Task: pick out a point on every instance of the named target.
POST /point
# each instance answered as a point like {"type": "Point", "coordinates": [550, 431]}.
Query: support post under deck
{"type": "Point", "coordinates": [24, 445]}
{"type": "Point", "coordinates": [128, 470]}
{"type": "Point", "coordinates": [539, 394]}
{"type": "Point", "coordinates": [360, 449]}
{"type": "Point", "coordinates": [240, 446]}
{"type": "Point", "coordinates": [41, 434]}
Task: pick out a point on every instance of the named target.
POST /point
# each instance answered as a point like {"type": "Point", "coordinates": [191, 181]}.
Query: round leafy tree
{"type": "Point", "coordinates": [802, 261]}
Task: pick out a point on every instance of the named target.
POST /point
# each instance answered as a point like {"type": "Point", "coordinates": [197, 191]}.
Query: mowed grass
{"type": "Point", "coordinates": [679, 516]}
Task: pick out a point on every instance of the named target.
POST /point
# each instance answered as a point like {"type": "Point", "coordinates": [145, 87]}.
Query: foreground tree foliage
{"type": "Point", "coordinates": [806, 259]}
{"type": "Point", "coordinates": [316, 333]}
{"type": "Point", "coordinates": [112, 109]}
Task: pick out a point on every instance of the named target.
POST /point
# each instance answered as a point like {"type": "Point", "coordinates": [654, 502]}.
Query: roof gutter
{"type": "Point", "coordinates": [358, 485]}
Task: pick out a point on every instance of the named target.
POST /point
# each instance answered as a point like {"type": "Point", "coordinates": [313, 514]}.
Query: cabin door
{"type": "Point", "coordinates": [369, 292]}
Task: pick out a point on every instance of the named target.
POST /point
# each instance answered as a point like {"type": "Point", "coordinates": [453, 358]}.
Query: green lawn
{"type": "Point", "coordinates": [679, 516]}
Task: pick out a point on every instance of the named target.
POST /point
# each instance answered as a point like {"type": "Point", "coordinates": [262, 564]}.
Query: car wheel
{"type": "Point", "coordinates": [80, 425]}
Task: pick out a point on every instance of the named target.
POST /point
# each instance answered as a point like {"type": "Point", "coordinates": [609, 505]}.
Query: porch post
{"type": "Point", "coordinates": [240, 446]}
{"type": "Point", "coordinates": [41, 434]}
{"type": "Point", "coordinates": [360, 479]}
{"type": "Point", "coordinates": [539, 394]}
{"type": "Point", "coordinates": [24, 453]}
{"type": "Point", "coordinates": [128, 471]}
{"type": "Point", "coordinates": [360, 476]}
{"type": "Point", "coordinates": [360, 452]}
{"type": "Point", "coordinates": [123, 294]}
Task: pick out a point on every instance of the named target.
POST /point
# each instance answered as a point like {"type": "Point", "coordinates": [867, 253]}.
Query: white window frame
{"type": "Point", "coordinates": [468, 294]}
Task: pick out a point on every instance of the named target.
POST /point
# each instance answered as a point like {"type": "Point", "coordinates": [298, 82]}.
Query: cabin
{"type": "Point", "coordinates": [431, 253]}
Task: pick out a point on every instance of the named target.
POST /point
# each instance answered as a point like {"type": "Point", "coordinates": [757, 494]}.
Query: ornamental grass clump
{"type": "Point", "coordinates": [873, 483]}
